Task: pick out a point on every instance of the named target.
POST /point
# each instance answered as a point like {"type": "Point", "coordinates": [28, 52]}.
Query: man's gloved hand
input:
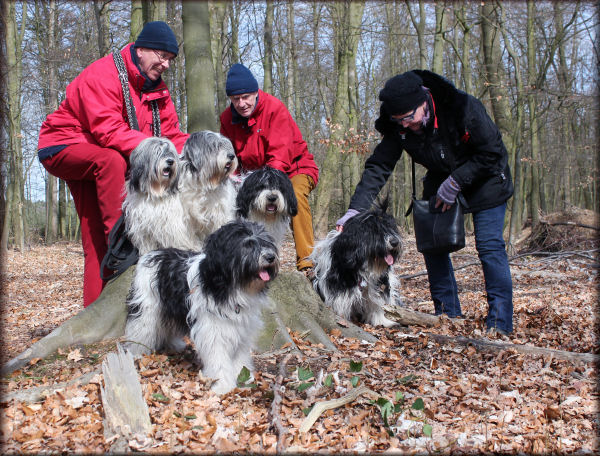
{"type": "Point", "coordinates": [339, 225]}
{"type": "Point", "coordinates": [447, 192]}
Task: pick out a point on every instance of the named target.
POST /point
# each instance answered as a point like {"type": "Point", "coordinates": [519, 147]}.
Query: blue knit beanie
{"type": "Point", "coordinates": [157, 35]}
{"type": "Point", "coordinates": [240, 80]}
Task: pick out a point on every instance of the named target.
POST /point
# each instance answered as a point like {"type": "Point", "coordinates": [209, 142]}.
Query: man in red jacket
{"type": "Point", "coordinates": [263, 133]}
{"type": "Point", "coordinates": [87, 140]}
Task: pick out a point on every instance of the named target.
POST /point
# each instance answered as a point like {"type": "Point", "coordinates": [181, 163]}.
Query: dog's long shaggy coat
{"type": "Point", "coordinates": [354, 268]}
{"type": "Point", "coordinates": [153, 212]}
{"type": "Point", "coordinates": [216, 297]}
{"type": "Point", "coordinates": [267, 196]}
{"type": "Point", "coordinates": [207, 191]}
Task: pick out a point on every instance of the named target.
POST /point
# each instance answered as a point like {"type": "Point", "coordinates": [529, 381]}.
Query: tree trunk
{"type": "Point", "coordinates": [102, 16]}
{"type": "Point", "coordinates": [218, 30]}
{"type": "Point", "coordinates": [14, 51]}
{"type": "Point", "coordinates": [296, 306]}
{"type": "Point", "coordinates": [437, 64]}
{"type": "Point", "coordinates": [234, 21]}
{"type": "Point", "coordinates": [349, 16]}
{"type": "Point", "coordinates": [420, 29]}
{"type": "Point", "coordinates": [515, 141]}
{"type": "Point", "coordinates": [137, 19]}
{"type": "Point", "coordinates": [534, 193]}
{"type": "Point", "coordinates": [316, 25]}
{"type": "Point", "coordinates": [268, 54]}
{"type": "Point", "coordinates": [199, 72]}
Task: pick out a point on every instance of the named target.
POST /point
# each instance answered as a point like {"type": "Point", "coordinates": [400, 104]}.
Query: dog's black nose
{"type": "Point", "coordinates": [269, 257]}
{"type": "Point", "coordinates": [394, 242]}
{"type": "Point", "coordinates": [230, 156]}
{"type": "Point", "coordinates": [170, 161]}
{"type": "Point", "coordinates": [271, 198]}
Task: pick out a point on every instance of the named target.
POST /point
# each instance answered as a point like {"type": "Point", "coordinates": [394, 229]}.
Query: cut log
{"type": "Point", "coordinates": [125, 410]}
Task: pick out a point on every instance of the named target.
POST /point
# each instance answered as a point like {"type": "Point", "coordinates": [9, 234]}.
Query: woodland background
{"type": "Point", "coordinates": [533, 64]}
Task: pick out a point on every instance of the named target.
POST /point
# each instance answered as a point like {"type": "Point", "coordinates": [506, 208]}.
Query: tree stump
{"type": "Point", "coordinates": [295, 306]}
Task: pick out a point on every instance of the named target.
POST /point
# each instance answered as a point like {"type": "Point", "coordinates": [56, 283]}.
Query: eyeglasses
{"type": "Point", "coordinates": [162, 57]}
{"type": "Point", "coordinates": [406, 118]}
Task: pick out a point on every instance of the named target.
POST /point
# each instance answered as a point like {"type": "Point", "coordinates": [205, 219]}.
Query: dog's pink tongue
{"type": "Point", "coordinates": [264, 275]}
{"type": "Point", "coordinates": [389, 259]}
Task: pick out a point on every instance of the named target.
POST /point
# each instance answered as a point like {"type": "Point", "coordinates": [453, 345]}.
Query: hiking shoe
{"type": "Point", "coordinates": [309, 272]}
{"type": "Point", "coordinates": [495, 332]}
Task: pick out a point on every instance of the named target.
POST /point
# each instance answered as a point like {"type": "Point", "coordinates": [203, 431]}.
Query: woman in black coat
{"type": "Point", "coordinates": [450, 133]}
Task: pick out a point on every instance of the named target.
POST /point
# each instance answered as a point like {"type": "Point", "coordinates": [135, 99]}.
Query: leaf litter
{"type": "Point", "coordinates": [430, 397]}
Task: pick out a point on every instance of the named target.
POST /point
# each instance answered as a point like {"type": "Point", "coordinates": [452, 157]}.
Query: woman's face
{"type": "Point", "coordinates": [413, 120]}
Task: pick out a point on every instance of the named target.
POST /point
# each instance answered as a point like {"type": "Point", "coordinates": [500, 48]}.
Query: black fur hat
{"type": "Point", "coordinates": [403, 93]}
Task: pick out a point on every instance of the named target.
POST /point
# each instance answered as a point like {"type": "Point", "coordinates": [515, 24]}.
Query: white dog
{"type": "Point", "coordinates": [207, 191]}
{"type": "Point", "coordinates": [154, 215]}
{"type": "Point", "coordinates": [216, 297]}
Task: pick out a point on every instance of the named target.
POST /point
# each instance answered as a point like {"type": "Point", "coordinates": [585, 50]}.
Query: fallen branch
{"type": "Point", "coordinates": [409, 317]}
{"type": "Point", "coordinates": [40, 393]}
{"type": "Point", "coordinates": [278, 390]}
{"type": "Point", "coordinates": [579, 225]}
{"type": "Point", "coordinates": [490, 345]}
{"type": "Point", "coordinates": [321, 407]}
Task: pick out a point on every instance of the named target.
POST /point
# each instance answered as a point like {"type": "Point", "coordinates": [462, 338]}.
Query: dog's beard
{"type": "Point", "coordinates": [163, 178]}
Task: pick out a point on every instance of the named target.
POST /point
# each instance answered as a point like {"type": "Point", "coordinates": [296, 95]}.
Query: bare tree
{"type": "Point", "coordinates": [102, 15]}
{"type": "Point", "coordinates": [14, 33]}
{"type": "Point", "coordinates": [199, 71]}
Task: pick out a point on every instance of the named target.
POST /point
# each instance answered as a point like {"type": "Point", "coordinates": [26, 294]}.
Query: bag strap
{"type": "Point", "coordinates": [131, 117]}
{"type": "Point", "coordinates": [414, 189]}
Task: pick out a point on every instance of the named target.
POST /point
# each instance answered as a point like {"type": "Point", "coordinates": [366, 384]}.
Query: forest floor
{"type": "Point", "coordinates": [427, 396]}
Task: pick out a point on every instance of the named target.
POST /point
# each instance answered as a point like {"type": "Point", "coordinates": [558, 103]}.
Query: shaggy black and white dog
{"type": "Point", "coordinates": [208, 161]}
{"type": "Point", "coordinates": [353, 268]}
{"type": "Point", "coordinates": [215, 296]}
{"type": "Point", "coordinates": [267, 196]}
{"type": "Point", "coordinates": [153, 213]}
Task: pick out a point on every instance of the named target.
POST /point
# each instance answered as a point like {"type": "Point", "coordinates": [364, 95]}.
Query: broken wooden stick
{"type": "Point", "coordinates": [125, 410]}
{"type": "Point", "coordinates": [491, 345]}
{"type": "Point", "coordinates": [278, 390]}
{"type": "Point", "coordinates": [321, 407]}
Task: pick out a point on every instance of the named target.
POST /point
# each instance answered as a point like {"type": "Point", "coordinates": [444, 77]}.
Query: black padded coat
{"type": "Point", "coordinates": [461, 139]}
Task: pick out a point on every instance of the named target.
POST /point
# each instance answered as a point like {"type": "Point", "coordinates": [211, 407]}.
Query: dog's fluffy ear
{"type": "Point", "coordinates": [382, 203]}
{"type": "Point", "coordinates": [347, 253]}
{"type": "Point", "coordinates": [243, 201]}
{"type": "Point", "coordinates": [290, 196]}
{"type": "Point", "coordinates": [138, 178]}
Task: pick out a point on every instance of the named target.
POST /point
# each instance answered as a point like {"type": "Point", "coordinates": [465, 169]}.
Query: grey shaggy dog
{"type": "Point", "coordinates": [154, 215]}
{"type": "Point", "coordinates": [207, 191]}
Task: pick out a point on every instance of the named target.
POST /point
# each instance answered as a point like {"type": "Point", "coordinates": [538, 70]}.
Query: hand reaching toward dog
{"type": "Point", "coordinates": [339, 225]}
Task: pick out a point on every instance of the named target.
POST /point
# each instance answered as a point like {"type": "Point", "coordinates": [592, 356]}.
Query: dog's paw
{"type": "Point", "coordinates": [222, 386]}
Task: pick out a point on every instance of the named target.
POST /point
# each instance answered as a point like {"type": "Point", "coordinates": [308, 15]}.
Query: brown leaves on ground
{"type": "Point", "coordinates": [433, 397]}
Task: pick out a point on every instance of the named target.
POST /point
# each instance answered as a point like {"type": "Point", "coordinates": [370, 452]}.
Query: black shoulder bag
{"type": "Point", "coordinates": [436, 231]}
{"type": "Point", "coordinates": [121, 253]}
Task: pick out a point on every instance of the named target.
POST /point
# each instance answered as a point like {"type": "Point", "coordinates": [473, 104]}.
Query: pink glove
{"type": "Point", "coordinates": [347, 216]}
{"type": "Point", "coordinates": [448, 191]}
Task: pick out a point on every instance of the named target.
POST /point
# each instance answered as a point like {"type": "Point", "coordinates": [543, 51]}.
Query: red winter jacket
{"type": "Point", "coordinates": [94, 110]}
{"type": "Point", "coordinates": [269, 137]}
